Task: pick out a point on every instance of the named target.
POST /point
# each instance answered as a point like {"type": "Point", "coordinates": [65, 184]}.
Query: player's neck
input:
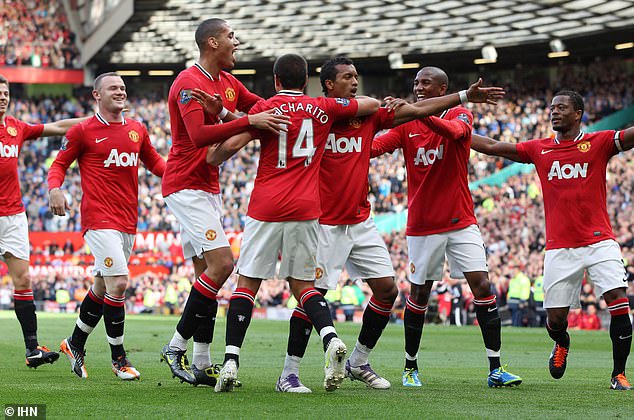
{"type": "Point", "coordinates": [2, 118]}
{"type": "Point", "coordinates": [568, 135]}
{"type": "Point", "coordinates": [211, 66]}
{"type": "Point", "coordinates": [115, 117]}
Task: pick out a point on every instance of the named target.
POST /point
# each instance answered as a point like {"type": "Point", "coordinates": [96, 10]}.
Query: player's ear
{"type": "Point", "coordinates": [330, 84]}
{"type": "Point", "coordinates": [212, 42]}
{"type": "Point", "coordinates": [96, 94]}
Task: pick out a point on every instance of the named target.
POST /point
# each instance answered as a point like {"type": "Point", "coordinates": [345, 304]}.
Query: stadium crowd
{"type": "Point", "coordinates": [36, 33]}
{"type": "Point", "coordinates": [510, 217]}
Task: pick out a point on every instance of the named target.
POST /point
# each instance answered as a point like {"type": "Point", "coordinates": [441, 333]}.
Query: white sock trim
{"type": "Point", "coordinates": [233, 350]}
{"type": "Point", "coordinates": [411, 358]}
{"type": "Point", "coordinates": [84, 327]}
{"type": "Point", "coordinates": [117, 341]}
{"type": "Point", "coordinates": [327, 330]}
{"type": "Point", "coordinates": [491, 353]}
{"type": "Point", "coordinates": [200, 355]}
{"type": "Point", "coordinates": [178, 342]}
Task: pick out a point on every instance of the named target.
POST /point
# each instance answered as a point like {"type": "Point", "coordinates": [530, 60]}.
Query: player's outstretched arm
{"type": "Point", "coordinates": [218, 153]}
{"type": "Point", "coordinates": [59, 128]}
{"type": "Point", "coordinates": [627, 138]}
{"type": "Point", "coordinates": [491, 147]}
{"type": "Point", "coordinates": [486, 95]}
{"type": "Point", "coordinates": [366, 105]}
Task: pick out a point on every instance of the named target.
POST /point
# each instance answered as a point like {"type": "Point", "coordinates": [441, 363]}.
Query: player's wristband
{"type": "Point", "coordinates": [463, 97]}
{"type": "Point", "coordinates": [225, 111]}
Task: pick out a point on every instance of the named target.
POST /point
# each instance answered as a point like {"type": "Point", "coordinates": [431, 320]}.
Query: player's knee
{"type": "Point", "coordinates": [388, 295]}
{"type": "Point", "coordinates": [22, 280]}
{"type": "Point", "coordinates": [220, 269]}
{"type": "Point", "coordinates": [419, 294]}
{"type": "Point", "coordinates": [117, 285]}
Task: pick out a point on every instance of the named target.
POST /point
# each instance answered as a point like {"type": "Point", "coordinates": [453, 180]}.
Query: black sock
{"type": "Point", "coordinates": [90, 313]}
{"type": "Point", "coordinates": [375, 317]}
{"type": "Point", "coordinates": [490, 326]}
{"type": "Point", "coordinates": [25, 312]}
{"type": "Point", "coordinates": [299, 333]}
{"type": "Point", "coordinates": [205, 331]}
{"type": "Point", "coordinates": [317, 311]}
{"type": "Point", "coordinates": [414, 320]}
{"type": "Point", "coordinates": [561, 336]}
{"type": "Point", "coordinates": [238, 320]}
{"type": "Point", "coordinates": [620, 333]}
{"type": "Point", "coordinates": [114, 319]}
{"type": "Point", "coordinates": [196, 311]}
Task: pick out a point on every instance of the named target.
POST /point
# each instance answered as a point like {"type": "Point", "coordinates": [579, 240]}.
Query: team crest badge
{"type": "Point", "coordinates": [210, 235]}
{"type": "Point", "coordinates": [134, 136]}
{"type": "Point", "coordinates": [185, 96]}
{"type": "Point", "coordinates": [412, 267]}
{"type": "Point", "coordinates": [12, 131]}
{"type": "Point", "coordinates": [107, 262]}
{"type": "Point", "coordinates": [230, 94]}
{"type": "Point", "coordinates": [584, 146]}
{"type": "Point", "coordinates": [355, 123]}
{"type": "Point", "coordinates": [319, 273]}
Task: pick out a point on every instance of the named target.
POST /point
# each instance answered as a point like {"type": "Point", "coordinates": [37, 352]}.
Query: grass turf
{"type": "Point", "coordinates": [452, 361]}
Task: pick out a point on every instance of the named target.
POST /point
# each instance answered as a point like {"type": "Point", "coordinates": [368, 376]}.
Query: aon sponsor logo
{"type": "Point", "coordinates": [428, 157]}
{"type": "Point", "coordinates": [343, 144]}
{"type": "Point", "coordinates": [8, 151]}
{"type": "Point", "coordinates": [121, 159]}
{"type": "Point", "coordinates": [567, 170]}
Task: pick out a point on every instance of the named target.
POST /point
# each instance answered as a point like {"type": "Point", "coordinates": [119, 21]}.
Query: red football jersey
{"type": "Point", "coordinates": [108, 156]}
{"type": "Point", "coordinates": [12, 135]}
{"type": "Point", "coordinates": [438, 194]}
{"type": "Point", "coordinates": [287, 183]}
{"type": "Point", "coordinates": [344, 168]}
{"type": "Point", "coordinates": [186, 166]}
{"type": "Point", "coordinates": [572, 175]}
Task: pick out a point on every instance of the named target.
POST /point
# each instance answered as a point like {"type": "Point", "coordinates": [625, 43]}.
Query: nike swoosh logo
{"type": "Point", "coordinates": [200, 316]}
{"type": "Point", "coordinates": [117, 322]}
{"type": "Point", "coordinates": [492, 309]}
{"type": "Point", "coordinates": [37, 356]}
{"type": "Point", "coordinates": [626, 337]}
{"type": "Point", "coordinates": [547, 151]}
{"type": "Point", "coordinates": [100, 140]}
{"type": "Point", "coordinates": [413, 135]}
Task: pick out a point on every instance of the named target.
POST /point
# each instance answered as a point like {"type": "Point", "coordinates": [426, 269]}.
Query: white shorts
{"type": "Point", "coordinates": [14, 236]}
{"type": "Point", "coordinates": [463, 248]}
{"type": "Point", "coordinates": [111, 250]}
{"type": "Point", "coordinates": [200, 216]}
{"type": "Point", "coordinates": [564, 269]}
{"type": "Point", "coordinates": [264, 242]}
{"type": "Point", "coordinates": [359, 248]}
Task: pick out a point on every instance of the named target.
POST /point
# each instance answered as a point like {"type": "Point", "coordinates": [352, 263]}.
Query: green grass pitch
{"type": "Point", "coordinates": [453, 363]}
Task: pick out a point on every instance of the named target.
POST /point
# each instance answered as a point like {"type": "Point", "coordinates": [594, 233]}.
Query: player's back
{"type": "Point", "coordinates": [287, 183]}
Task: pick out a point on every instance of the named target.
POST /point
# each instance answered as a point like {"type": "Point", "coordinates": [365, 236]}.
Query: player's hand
{"type": "Point", "coordinates": [211, 156]}
{"type": "Point", "coordinates": [393, 104]}
{"type": "Point", "coordinates": [212, 104]}
{"type": "Point", "coordinates": [57, 202]}
{"type": "Point", "coordinates": [478, 94]}
{"type": "Point", "coordinates": [270, 121]}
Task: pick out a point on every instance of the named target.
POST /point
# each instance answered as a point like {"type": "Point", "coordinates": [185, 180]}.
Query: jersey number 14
{"type": "Point", "coordinates": [303, 147]}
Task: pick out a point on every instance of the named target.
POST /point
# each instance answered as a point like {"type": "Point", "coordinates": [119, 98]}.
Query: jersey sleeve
{"type": "Point", "coordinates": [387, 143]}
{"type": "Point", "coordinates": [71, 148]}
{"type": "Point", "coordinates": [455, 128]}
{"type": "Point", "coordinates": [203, 134]}
{"type": "Point", "coordinates": [385, 117]}
{"type": "Point", "coordinates": [341, 108]}
{"type": "Point", "coordinates": [31, 132]}
{"type": "Point", "coordinates": [186, 103]}
{"type": "Point", "coordinates": [524, 150]}
{"type": "Point", "coordinates": [150, 157]}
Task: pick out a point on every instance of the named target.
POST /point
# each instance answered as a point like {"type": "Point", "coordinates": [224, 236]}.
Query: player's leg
{"type": "Point", "coordinates": [24, 306]}
{"type": "Point", "coordinates": [238, 320]}
{"type": "Point", "coordinates": [90, 312]}
{"type": "Point", "coordinates": [332, 252]}
{"type": "Point", "coordinates": [203, 241]}
{"type": "Point", "coordinates": [261, 243]}
{"type": "Point", "coordinates": [317, 311]}
{"type": "Point", "coordinates": [563, 275]}
{"type": "Point", "coordinates": [14, 246]}
{"type": "Point", "coordinates": [370, 259]}
{"type": "Point", "coordinates": [413, 323]}
{"type": "Point", "coordinates": [606, 272]}
{"type": "Point", "coordinates": [427, 259]}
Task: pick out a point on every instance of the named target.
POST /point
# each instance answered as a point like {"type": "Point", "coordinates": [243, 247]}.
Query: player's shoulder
{"type": "Point", "coordinates": [135, 124]}
{"type": "Point", "coordinates": [459, 112]}
{"type": "Point", "coordinates": [599, 135]}
{"type": "Point", "coordinates": [82, 126]}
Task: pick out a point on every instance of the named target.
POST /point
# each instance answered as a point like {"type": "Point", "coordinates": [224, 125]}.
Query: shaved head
{"type": "Point", "coordinates": [436, 74]}
{"type": "Point", "coordinates": [209, 28]}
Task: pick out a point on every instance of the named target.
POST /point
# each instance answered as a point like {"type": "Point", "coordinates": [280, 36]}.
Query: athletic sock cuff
{"type": "Point", "coordinates": [487, 301]}
{"type": "Point", "coordinates": [619, 307]}
{"type": "Point", "coordinates": [24, 294]}
{"type": "Point", "coordinates": [417, 309]}
{"type": "Point", "coordinates": [383, 309]}
{"type": "Point", "coordinates": [112, 300]}
{"type": "Point", "coordinates": [244, 293]}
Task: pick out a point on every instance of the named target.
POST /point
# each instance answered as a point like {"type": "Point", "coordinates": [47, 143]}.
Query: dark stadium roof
{"type": "Point", "coordinates": [161, 31]}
